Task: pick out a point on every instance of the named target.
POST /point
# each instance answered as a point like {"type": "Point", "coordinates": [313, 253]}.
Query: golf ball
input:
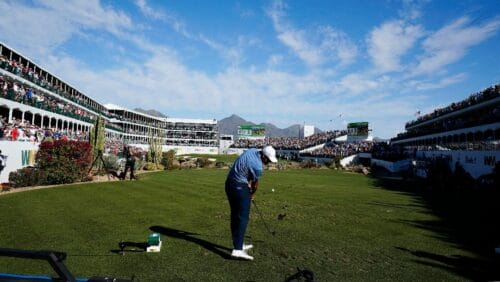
{"type": "Point", "coordinates": [272, 190]}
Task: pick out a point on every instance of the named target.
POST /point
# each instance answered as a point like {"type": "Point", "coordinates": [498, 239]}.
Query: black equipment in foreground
{"type": "Point", "coordinates": [55, 259]}
{"type": "Point", "coordinates": [262, 218]}
{"type": "Point", "coordinates": [133, 246]}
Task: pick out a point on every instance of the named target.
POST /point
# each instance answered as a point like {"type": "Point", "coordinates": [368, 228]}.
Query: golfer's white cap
{"type": "Point", "coordinates": [270, 153]}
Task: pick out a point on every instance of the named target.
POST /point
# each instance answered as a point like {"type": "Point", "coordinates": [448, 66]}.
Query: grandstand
{"type": "Point", "coordinates": [474, 122]}
{"type": "Point", "coordinates": [465, 133]}
{"type": "Point", "coordinates": [35, 103]}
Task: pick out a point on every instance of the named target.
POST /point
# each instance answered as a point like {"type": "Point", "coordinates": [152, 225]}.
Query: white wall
{"type": "Point", "coordinates": [184, 150]}
{"type": "Point", "coordinates": [310, 149]}
{"type": "Point", "coordinates": [308, 130]}
{"type": "Point", "coordinates": [19, 154]}
{"type": "Point", "coordinates": [235, 151]}
{"type": "Point", "coordinates": [348, 160]}
{"type": "Point", "coordinates": [476, 163]}
{"type": "Point", "coordinates": [393, 166]}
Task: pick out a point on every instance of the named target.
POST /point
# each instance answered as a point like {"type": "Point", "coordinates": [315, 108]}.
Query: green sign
{"type": "Point", "coordinates": [254, 131]}
{"type": "Point", "coordinates": [359, 129]}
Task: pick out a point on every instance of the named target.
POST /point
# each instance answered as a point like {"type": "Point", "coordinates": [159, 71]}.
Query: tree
{"type": "Point", "coordinates": [96, 139]}
{"type": "Point", "coordinates": [155, 147]}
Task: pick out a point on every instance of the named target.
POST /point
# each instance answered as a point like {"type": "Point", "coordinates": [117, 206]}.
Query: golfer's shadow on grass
{"type": "Point", "coordinates": [188, 236]}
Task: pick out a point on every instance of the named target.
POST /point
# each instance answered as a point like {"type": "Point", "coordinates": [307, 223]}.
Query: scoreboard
{"type": "Point", "coordinates": [252, 131]}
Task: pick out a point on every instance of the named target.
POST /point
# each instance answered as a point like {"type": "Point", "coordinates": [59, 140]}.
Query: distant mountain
{"type": "Point", "coordinates": [230, 125]}
{"type": "Point", "coordinates": [151, 112]}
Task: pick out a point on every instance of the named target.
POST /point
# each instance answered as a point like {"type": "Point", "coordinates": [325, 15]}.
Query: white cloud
{"type": "Point", "coordinates": [40, 28]}
{"type": "Point", "coordinates": [274, 60]}
{"type": "Point", "coordinates": [165, 16]}
{"type": "Point", "coordinates": [165, 84]}
{"type": "Point", "coordinates": [232, 53]}
{"type": "Point", "coordinates": [325, 44]}
{"type": "Point", "coordinates": [452, 42]}
{"type": "Point", "coordinates": [148, 11]}
{"type": "Point", "coordinates": [90, 14]}
{"type": "Point", "coordinates": [390, 41]}
{"type": "Point", "coordinates": [37, 30]}
{"type": "Point", "coordinates": [355, 84]}
{"type": "Point", "coordinates": [411, 9]}
{"type": "Point", "coordinates": [338, 44]}
{"type": "Point", "coordinates": [295, 39]}
{"type": "Point", "coordinates": [441, 83]}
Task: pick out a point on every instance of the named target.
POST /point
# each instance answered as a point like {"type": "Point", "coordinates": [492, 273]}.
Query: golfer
{"type": "Point", "coordinates": [241, 185]}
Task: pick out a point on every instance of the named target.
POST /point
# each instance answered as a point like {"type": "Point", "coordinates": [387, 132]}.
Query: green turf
{"type": "Point", "coordinates": [339, 225]}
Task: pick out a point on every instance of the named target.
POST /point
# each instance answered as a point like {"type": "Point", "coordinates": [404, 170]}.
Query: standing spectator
{"type": "Point", "coordinates": [14, 133]}
{"type": "Point", "coordinates": [129, 162]}
{"type": "Point", "coordinates": [29, 96]}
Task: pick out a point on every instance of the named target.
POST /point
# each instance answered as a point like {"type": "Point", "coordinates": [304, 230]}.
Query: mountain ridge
{"type": "Point", "coordinates": [229, 125]}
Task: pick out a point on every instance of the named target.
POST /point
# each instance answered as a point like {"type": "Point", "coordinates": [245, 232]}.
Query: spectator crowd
{"type": "Point", "coordinates": [289, 143]}
{"type": "Point", "coordinates": [24, 131]}
{"type": "Point", "coordinates": [333, 149]}
{"type": "Point", "coordinates": [485, 95]}
{"type": "Point", "coordinates": [487, 115]}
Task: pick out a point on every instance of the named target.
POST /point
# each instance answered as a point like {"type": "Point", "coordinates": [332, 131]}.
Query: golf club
{"type": "Point", "coordinates": [262, 218]}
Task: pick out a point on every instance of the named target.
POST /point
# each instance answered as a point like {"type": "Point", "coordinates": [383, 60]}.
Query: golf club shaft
{"type": "Point", "coordinates": [262, 218]}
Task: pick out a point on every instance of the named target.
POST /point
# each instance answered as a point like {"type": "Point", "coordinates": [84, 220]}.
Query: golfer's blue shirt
{"type": "Point", "coordinates": [248, 167]}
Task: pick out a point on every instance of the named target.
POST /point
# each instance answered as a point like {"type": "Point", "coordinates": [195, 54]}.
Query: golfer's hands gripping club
{"type": "Point", "coordinates": [252, 185]}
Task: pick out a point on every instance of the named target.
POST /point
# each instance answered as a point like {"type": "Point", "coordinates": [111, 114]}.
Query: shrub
{"type": "Point", "coordinates": [330, 163]}
{"type": "Point", "coordinates": [309, 164]}
{"type": "Point", "coordinates": [111, 162]}
{"type": "Point", "coordinates": [167, 159]}
{"type": "Point", "coordinates": [153, 166]}
{"type": "Point", "coordinates": [202, 162]}
{"type": "Point", "coordinates": [149, 166]}
{"type": "Point", "coordinates": [64, 161]}
{"type": "Point", "coordinates": [139, 164]}
{"type": "Point", "coordinates": [461, 178]}
{"type": "Point", "coordinates": [220, 164]}
{"type": "Point", "coordinates": [439, 173]}
{"type": "Point", "coordinates": [27, 176]}
{"type": "Point", "coordinates": [337, 161]}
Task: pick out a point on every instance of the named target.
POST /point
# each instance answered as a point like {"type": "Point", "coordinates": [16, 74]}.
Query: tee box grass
{"type": "Point", "coordinates": [341, 226]}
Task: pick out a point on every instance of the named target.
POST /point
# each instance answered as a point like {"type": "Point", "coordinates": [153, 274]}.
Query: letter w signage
{"type": "Point", "coordinates": [28, 157]}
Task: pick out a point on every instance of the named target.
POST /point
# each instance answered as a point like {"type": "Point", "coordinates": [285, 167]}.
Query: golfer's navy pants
{"type": "Point", "coordinates": [238, 196]}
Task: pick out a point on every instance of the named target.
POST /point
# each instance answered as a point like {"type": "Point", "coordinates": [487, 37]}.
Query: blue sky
{"type": "Point", "coordinates": [324, 63]}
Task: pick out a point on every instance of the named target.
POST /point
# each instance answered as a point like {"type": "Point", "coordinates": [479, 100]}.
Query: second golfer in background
{"type": "Point", "coordinates": [241, 185]}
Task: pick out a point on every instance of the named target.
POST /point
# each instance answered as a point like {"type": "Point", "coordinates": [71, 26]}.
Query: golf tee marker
{"type": "Point", "coordinates": [154, 243]}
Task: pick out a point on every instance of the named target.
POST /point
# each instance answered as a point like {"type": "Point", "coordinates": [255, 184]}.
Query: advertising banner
{"type": "Point", "coordinates": [15, 155]}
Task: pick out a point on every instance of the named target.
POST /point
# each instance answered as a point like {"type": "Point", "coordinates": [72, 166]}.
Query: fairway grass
{"type": "Point", "coordinates": [341, 226]}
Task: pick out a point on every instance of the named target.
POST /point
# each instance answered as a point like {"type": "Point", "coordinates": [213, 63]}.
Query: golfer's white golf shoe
{"type": "Point", "coordinates": [247, 247]}
{"type": "Point", "coordinates": [241, 254]}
